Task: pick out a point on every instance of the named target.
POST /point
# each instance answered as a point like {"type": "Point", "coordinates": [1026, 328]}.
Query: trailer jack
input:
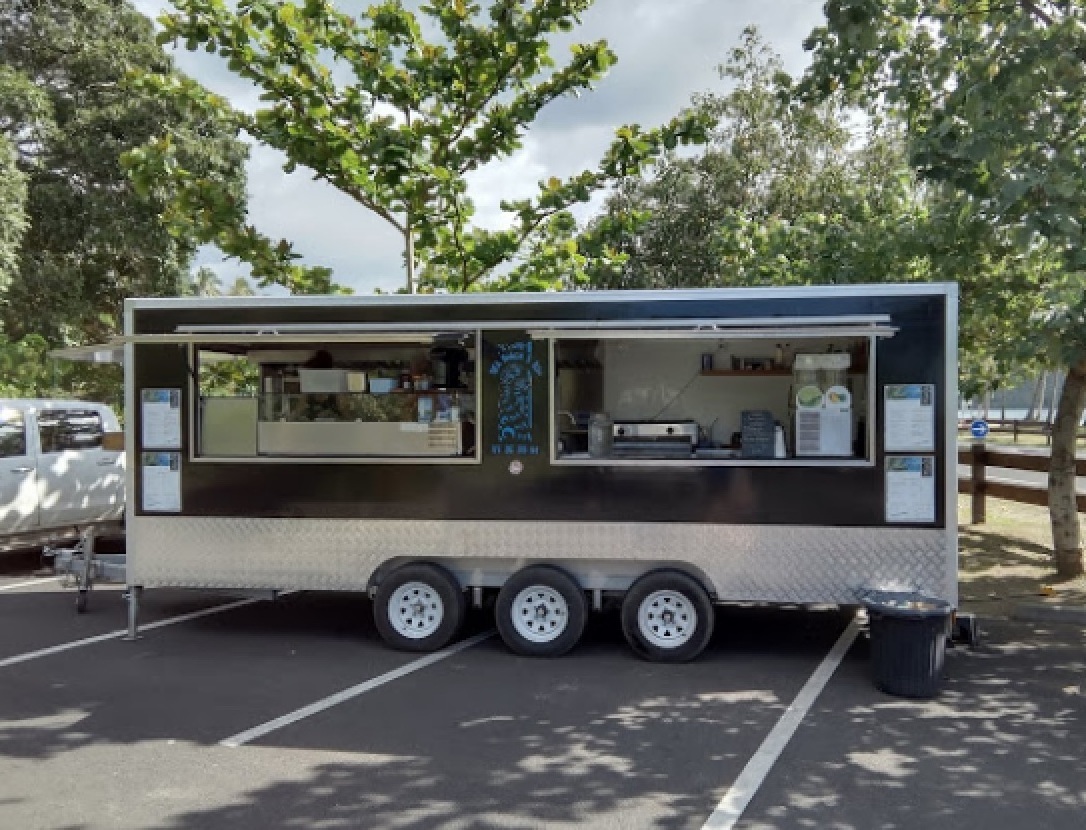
{"type": "Point", "coordinates": [82, 567]}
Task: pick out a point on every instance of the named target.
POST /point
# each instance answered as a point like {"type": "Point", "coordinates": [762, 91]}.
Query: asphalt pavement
{"type": "Point", "coordinates": [113, 734]}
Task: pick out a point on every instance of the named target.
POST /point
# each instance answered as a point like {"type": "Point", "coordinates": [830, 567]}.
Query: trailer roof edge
{"type": "Point", "coordinates": [511, 298]}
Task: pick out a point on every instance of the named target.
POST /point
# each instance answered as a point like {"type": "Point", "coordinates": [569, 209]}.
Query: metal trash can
{"type": "Point", "coordinates": [908, 642]}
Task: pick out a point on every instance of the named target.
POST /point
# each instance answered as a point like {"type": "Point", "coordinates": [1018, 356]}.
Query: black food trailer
{"type": "Point", "coordinates": [554, 451]}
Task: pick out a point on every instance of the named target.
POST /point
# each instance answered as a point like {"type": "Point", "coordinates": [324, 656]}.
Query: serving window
{"type": "Point", "coordinates": [408, 398]}
{"type": "Point", "coordinates": [733, 398]}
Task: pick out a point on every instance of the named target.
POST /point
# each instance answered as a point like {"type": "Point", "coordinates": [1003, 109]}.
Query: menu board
{"type": "Point", "coordinates": [161, 418]}
{"type": "Point", "coordinates": [757, 431]}
{"type": "Point", "coordinates": [909, 417]}
{"type": "Point", "coordinates": [910, 488]}
{"type": "Point", "coordinates": [161, 481]}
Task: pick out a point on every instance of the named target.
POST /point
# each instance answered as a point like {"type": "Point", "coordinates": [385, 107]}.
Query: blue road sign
{"type": "Point", "coordinates": [979, 428]}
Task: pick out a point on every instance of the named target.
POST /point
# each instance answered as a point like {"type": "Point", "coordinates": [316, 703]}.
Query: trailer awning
{"type": "Point", "coordinates": [877, 325]}
{"type": "Point", "coordinates": [746, 329]}
{"type": "Point", "coordinates": [309, 333]}
{"type": "Point", "coordinates": [112, 352]}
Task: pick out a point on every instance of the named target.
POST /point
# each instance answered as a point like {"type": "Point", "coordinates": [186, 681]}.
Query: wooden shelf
{"type": "Point", "coordinates": [768, 373]}
{"type": "Point", "coordinates": [457, 391]}
{"type": "Point", "coordinates": [745, 373]}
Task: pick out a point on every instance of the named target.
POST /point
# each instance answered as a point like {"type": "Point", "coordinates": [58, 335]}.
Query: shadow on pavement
{"type": "Point", "coordinates": [1001, 747]}
{"type": "Point", "coordinates": [485, 739]}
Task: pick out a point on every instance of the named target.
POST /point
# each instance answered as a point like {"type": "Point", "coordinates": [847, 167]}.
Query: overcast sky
{"type": "Point", "coordinates": [667, 51]}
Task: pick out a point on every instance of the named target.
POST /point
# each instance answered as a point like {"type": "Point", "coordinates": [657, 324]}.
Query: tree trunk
{"type": "Point", "coordinates": [1034, 412]}
{"type": "Point", "coordinates": [1063, 510]}
{"type": "Point", "coordinates": [409, 258]}
{"type": "Point", "coordinates": [1057, 385]}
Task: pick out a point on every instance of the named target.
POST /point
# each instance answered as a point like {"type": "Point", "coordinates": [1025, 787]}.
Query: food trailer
{"type": "Point", "coordinates": [550, 452]}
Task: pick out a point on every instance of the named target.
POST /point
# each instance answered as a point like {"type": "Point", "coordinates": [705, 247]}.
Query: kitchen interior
{"type": "Point", "coordinates": [711, 399]}
{"type": "Point", "coordinates": [407, 397]}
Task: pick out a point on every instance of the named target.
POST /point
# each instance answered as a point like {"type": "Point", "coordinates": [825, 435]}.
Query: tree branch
{"type": "Point", "coordinates": [1035, 11]}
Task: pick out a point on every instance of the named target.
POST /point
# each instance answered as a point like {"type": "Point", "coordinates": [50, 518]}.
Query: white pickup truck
{"type": "Point", "coordinates": [57, 475]}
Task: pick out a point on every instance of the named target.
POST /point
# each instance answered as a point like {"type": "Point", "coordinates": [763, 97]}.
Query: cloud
{"type": "Point", "coordinates": [667, 50]}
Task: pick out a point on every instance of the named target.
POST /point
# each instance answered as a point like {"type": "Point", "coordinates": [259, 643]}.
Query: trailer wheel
{"type": "Point", "coordinates": [419, 607]}
{"type": "Point", "coordinates": [667, 617]}
{"type": "Point", "coordinates": [541, 611]}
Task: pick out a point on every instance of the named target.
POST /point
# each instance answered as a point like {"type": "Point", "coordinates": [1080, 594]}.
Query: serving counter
{"type": "Point", "coordinates": [332, 438]}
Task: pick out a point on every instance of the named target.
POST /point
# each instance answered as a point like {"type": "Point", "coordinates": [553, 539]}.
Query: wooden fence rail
{"type": "Point", "coordinates": [980, 456]}
{"type": "Point", "coordinates": [1019, 427]}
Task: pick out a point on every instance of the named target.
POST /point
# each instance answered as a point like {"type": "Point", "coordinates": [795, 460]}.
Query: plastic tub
{"type": "Point", "coordinates": [382, 386]}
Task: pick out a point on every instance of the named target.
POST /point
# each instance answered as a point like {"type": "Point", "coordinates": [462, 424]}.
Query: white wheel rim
{"type": "Point", "coordinates": [667, 619]}
{"type": "Point", "coordinates": [415, 610]}
{"type": "Point", "coordinates": [540, 614]}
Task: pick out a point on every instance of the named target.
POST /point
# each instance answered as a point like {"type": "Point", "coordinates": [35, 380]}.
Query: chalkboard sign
{"type": "Point", "coordinates": [756, 427]}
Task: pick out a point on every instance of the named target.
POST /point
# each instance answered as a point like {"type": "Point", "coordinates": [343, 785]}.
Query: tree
{"type": "Point", "coordinates": [991, 94]}
{"type": "Point", "coordinates": [785, 191]}
{"type": "Point", "coordinates": [67, 109]}
{"type": "Point", "coordinates": [372, 105]}
{"type": "Point", "coordinates": [241, 287]}
{"type": "Point", "coordinates": [12, 211]}
{"type": "Point", "coordinates": [205, 283]}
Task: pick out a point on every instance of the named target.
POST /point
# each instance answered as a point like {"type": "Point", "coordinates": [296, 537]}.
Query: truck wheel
{"type": "Point", "coordinates": [541, 611]}
{"type": "Point", "coordinates": [667, 617]}
{"type": "Point", "coordinates": [419, 607]}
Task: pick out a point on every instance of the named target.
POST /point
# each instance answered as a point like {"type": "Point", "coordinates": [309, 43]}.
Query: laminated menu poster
{"type": "Point", "coordinates": [161, 417]}
{"type": "Point", "coordinates": [910, 488]}
{"type": "Point", "coordinates": [161, 481]}
{"type": "Point", "coordinates": [909, 417]}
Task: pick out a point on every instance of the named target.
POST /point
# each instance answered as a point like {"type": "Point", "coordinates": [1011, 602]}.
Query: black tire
{"type": "Point", "coordinates": [679, 596]}
{"type": "Point", "coordinates": [550, 638]}
{"type": "Point", "coordinates": [439, 592]}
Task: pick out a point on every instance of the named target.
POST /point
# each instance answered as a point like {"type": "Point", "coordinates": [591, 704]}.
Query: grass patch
{"type": "Point", "coordinates": [1009, 557]}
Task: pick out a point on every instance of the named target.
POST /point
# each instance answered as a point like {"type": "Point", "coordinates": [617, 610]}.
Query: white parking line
{"type": "Point", "coordinates": [15, 585]}
{"type": "Point", "coordinates": [738, 798]}
{"type": "Point", "coordinates": [334, 700]}
{"type": "Point", "coordinates": [113, 635]}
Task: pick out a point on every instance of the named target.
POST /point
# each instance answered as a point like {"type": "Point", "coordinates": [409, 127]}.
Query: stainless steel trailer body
{"type": "Point", "coordinates": [802, 451]}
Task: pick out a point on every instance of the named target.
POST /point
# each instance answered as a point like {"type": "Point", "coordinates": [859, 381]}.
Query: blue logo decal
{"type": "Point", "coordinates": [515, 369]}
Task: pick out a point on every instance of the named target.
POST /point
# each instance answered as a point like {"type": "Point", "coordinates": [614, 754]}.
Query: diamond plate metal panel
{"type": "Point", "coordinates": [759, 563]}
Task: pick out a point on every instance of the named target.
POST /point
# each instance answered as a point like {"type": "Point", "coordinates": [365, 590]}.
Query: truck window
{"type": "Point", "coordinates": [64, 429]}
{"type": "Point", "coordinates": [713, 400]}
{"type": "Point", "coordinates": [404, 397]}
{"type": "Point", "coordinates": [12, 435]}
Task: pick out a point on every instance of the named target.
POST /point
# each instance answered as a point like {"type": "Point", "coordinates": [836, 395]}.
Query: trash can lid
{"type": "Point", "coordinates": [905, 604]}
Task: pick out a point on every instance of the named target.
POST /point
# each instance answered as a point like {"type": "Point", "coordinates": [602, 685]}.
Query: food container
{"type": "Point", "coordinates": [322, 381]}
{"type": "Point", "coordinates": [382, 386]}
{"type": "Point", "coordinates": [426, 409]}
{"type": "Point", "coordinates": [600, 435]}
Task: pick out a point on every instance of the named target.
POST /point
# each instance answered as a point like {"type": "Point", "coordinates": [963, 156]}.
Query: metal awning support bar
{"type": "Point", "coordinates": [713, 324]}
{"type": "Point", "coordinates": [754, 328]}
{"type": "Point", "coordinates": [112, 352]}
{"type": "Point", "coordinates": [211, 338]}
{"type": "Point", "coordinates": [737, 333]}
